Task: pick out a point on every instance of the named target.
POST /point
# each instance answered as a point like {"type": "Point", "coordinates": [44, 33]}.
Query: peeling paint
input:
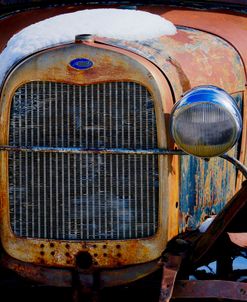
{"type": "Point", "coordinates": [205, 186]}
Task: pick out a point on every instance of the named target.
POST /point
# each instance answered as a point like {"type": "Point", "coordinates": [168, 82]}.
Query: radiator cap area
{"type": "Point", "coordinates": [84, 38]}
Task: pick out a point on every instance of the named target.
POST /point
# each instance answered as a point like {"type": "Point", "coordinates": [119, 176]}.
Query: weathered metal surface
{"type": "Point", "coordinates": [64, 277]}
{"type": "Point", "coordinates": [170, 270]}
{"type": "Point", "coordinates": [209, 22]}
{"type": "Point", "coordinates": [219, 226]}
{"type": "Point", "coordinates": [109, 63]}
{"type": "Point", "coordinates": [188, 59]}
{"type": "Point", "coordinates": [217, 289]}
{"type": "Point", "coordinates": [206, 186]}
{"type": "Point", "coordinates": [75, 150]}
{"type": "Point", "coordinates": [192, 58]}
{"type": "Point", "coordinates": [119, 151]}
{"type": "Point", "coordinates": [225, 24]}
{"type": "Point", "coordinates": [196, 58]}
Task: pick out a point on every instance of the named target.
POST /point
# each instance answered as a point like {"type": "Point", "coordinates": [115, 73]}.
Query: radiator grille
{"type": "Point", "coordinates": [75, 196]}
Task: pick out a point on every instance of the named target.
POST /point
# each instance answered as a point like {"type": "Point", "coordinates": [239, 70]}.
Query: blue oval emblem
{"type": "Point", "coordinates": [81, 63]}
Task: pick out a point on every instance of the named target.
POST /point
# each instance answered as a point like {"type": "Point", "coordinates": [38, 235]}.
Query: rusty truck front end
{"type": "Point", "coordinates": [91, 182]}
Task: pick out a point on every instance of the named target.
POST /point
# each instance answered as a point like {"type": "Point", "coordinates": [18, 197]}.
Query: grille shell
{"type": "Point", "coordinates": [83, 197]}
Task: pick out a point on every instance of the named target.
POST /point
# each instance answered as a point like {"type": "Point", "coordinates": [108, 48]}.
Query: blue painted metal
{"type": "Point", "coordinates": [81, 63]}
{"type": "Point", "coordinates": [205, 186]}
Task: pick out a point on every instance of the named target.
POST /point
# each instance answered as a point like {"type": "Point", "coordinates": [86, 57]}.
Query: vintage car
{"type": "Point", "coordinates": [119, 139]}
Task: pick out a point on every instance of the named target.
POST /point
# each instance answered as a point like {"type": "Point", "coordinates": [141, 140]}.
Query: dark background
{"type": "Point", "coordinates": [14, 288]}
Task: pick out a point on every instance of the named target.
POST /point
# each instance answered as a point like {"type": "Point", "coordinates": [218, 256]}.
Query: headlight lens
{"type": "Point", "coordinates": [206, 122]}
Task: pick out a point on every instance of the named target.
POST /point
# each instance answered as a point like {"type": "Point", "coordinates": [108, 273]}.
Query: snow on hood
{"type": "Point", "coordinates": [110, 23]}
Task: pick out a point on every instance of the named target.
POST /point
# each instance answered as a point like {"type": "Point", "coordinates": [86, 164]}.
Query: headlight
{"type": "Point", "coordinates": [206, 122]}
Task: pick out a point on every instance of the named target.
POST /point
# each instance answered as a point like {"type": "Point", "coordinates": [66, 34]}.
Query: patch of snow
{"type": "Point", "coordinates": [210, 268]}
{"type": "Point", "coordinates": [192, 278]}
{"type": "Point", "coordinates": [239, 263]}
{"type": "Point", "coordinates": [111, 23]}
{"type": "Point", "coordinates": [205, 225]}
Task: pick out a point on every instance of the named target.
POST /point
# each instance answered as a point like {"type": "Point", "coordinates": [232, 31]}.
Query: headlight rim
{"type": "Point", "coordinates": [218, 97]}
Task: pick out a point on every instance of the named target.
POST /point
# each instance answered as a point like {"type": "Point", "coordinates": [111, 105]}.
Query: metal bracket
{"type": "Point", "coordinates": [78, 150]}
{"type": "Point", "coordinates": [170, 270]}
{"type": "Point", "coordinates": [217, 289]}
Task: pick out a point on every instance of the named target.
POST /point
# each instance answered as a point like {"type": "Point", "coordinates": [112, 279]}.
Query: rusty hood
{"type": "Point", "coordinates": [194, 56]}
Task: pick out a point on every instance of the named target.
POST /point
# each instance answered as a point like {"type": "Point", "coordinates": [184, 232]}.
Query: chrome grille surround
{"type": "Point", "coordinates": [83, 197]}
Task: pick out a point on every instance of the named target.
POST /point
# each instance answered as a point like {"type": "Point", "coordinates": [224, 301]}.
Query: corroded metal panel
{"type": "Point", "coordinates": [192, 58]}
{"type": "Point", "coordinates": [228, 25]}
{"type": "Point", "coordinates": [205, 186]}
{"type": "Point", "coordinates": [60, 277]}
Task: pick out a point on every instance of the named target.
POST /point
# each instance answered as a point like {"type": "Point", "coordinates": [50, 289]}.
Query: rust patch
{"type": "Point", "coordinates": [184, 81]}
{"type": "Point", "coordinates": [228, 25]}
{"type": "Point", "coordinates": [192, 58]}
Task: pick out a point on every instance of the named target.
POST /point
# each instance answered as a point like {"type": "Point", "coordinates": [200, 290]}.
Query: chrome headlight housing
{"type": "Point", "coordinates": [206, 122]}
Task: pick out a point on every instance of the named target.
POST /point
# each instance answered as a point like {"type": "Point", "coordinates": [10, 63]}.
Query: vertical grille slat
{"type": "Point", "coordinates": [80, 159]}
{"type": "Point", "coordinates": [32, 167]}
{"type": "Point", "coordinates": [75, 196]}
{"type": "Point", "coordinates": [14, 173]}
